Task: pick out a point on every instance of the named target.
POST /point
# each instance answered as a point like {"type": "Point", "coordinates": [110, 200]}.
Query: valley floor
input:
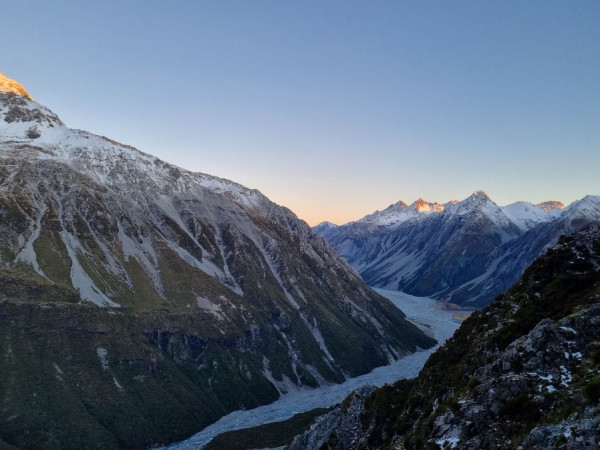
{"type": "Point", "coordinates": [428, 314]}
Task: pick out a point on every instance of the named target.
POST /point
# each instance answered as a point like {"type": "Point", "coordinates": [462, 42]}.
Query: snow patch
{"type": "Point", "coordinates": [117, 384]}
{"type": "Point", "coordinates": [103, 355]}
{"type": "Point", "coordinates": [207, 305]}
{"type": "Point", "coordinates": [80, 279]}
{"type": "Point", "coordinates": [527, 215]}
{"type": "Point", "coordinates": [28, 254]}
{"type": "Point", "coordinates": [568, 330]}
{"type": "Point", "coordinates": [565, 376]}
{"type": "Point", "coordinates": [285, 386]}
{"type": "Point", "coordinates": [314, 329]}
{"type": "Point", "coordinates": [445, 442]}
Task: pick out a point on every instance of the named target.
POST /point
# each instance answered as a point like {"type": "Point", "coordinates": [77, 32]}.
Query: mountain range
{"type": "Point", "coordinates": [140, 301]}
{"type": "Point", "coordinates": [465, 252]}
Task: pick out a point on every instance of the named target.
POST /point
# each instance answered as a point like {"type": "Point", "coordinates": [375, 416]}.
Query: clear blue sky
{"type": "Point", "coordinates": [332, 108]}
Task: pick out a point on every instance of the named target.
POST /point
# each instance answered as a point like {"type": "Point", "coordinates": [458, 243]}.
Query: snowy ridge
{"type": "Point", "coordinates": [527, 215]}
{"type": "Point", "coordinates": [587, 207]}
{"type": "Point", "coordinates": [523, 214]}
{"type": "Point", "coordinates": [462, 252]}
{"type": "Point", "coordinates": [153, 184]}
{"type": "Point", "coordinates": [121, 168]}
{"type": "Point", "coordinates": [400, 212]}
{"type": "Point", "coordinates": [28, 122]}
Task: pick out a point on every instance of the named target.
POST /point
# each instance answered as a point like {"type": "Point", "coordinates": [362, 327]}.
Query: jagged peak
{"type": "Point", "coordinates": [478, 198]}
{"type": "Point", "coordinates": [480, 194]}
{"type": "Point", "coordinates": [326, 224]}
{"type": "Point", "coordinates": [551, 205]}
{"type": "Point", "coordinates": [421, 205]}
{"type": "Point", "coordinates": [21, 117]}
{"type": "Point", "coordinates": [478, 203]}
{"type": "Point", "coordinates": [11, 86]}
{"type": "Point", "coordinates": [397, 205]}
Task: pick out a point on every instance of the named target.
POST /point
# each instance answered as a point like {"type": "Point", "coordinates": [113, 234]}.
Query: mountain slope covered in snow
{"type": "Point", "coordinates": [151, 300]}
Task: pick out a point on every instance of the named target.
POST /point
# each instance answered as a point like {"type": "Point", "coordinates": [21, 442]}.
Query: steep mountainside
{"type": "Point", "coordinates": [463, 252]}
{"type": "Point", "coordinates": [140, 301]}
{"type": "Point", "coordinates": [524, 372]}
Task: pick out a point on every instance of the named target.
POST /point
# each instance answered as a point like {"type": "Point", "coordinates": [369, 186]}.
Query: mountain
{"type": "Point", "coordinates": [463, 252]}
{"type": "Point", "coordinates": [522, 372]}
{"type": "Point", "coordinates": [324, 227]}
{"type": "Point", "coordinates": [527, 215]}
{"type": "Point", "coordinates": [139, 301]}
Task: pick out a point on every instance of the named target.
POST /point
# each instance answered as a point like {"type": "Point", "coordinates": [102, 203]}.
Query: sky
{"type": "Point", "coordinates": [334, 109]}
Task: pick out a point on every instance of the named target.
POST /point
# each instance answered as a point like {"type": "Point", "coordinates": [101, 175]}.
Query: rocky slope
{"type": "Point", "coordinates": [524, 372]}
{"type": "Point", "coordinates": [141, 301]}
{"type": "Point", "coordinates": [462, 252]}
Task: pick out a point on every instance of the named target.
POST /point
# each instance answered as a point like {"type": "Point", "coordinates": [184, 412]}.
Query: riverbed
{"type": "Point", "coordinates": [430, 315]}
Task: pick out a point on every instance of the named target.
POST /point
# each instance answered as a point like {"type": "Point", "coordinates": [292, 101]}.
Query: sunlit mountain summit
{"type": "Point", "coordinates": [8, 85]}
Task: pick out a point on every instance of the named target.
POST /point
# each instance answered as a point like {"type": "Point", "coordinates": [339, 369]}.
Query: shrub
{"type": "Point", "coordinates": [592, 390]}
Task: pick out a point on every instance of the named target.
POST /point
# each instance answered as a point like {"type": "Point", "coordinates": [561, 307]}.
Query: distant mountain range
{"type": "Point", "coordinates": [463, 252]}
{"type": "Point", "coordinates": [139, 301]}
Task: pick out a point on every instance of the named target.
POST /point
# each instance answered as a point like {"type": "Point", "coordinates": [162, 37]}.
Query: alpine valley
{"type": "Point", "coordinates": [521, 373]}
{"type": "Point", "coordinates": [465, 252]}
{"type": "Point", "coordinates": [139, 302]}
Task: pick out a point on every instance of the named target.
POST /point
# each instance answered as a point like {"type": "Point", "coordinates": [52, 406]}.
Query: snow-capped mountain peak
{"type": "Point", "coordinates": [8, 85]}
{"type": "Point", "coordinates": [324, 228]}
{"type": "Point", "coordinates": [327, 224]}
{"type": "Point", "coordinates": [551, 205]}
{"type": "Point", "coordinates": [422, 206]}
{"type": "Point", "coordinates": [588, 206]}
{"type": "Point", "coordinates": [479, 203]}
{"type": "Point", "coordinates": [23, 119]}
{"type": "Point", "coordinates": [478, 198]}
{"type": "Point", "coordinates": [527, 215]}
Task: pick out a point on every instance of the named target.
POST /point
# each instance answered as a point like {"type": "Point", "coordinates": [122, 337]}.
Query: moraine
{"type": "Point", "coordinates": [422, 311]}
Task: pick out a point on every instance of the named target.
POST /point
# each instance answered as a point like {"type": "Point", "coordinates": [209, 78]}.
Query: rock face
{"type": "Point", "coordinates": [523, 372]}
{"type": "Point", "coordinates": [140, 301]}
{"type": "Point", "coordinates": [461, 252]}
{"type": "Point", "coordinates": [338, 427]}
